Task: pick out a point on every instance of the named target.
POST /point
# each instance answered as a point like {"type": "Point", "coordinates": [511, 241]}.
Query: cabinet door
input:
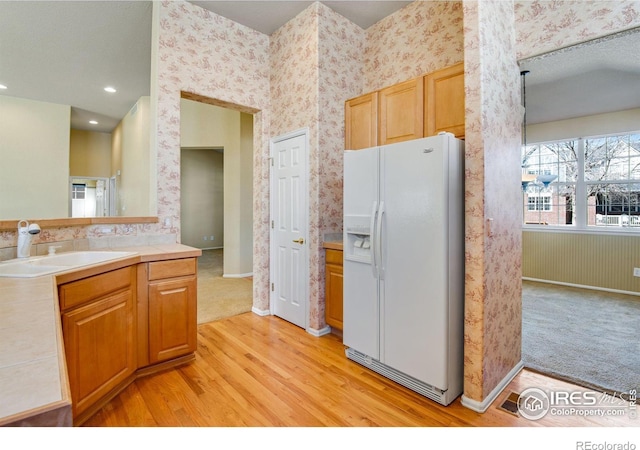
{"type": "Point", "coordinates": [361, 122]}
{"type": "Point", "coordinates": [172, 318]}
{"type": "Point", "coordinates": [99, 340]}
{"type": "Point", "coordinates": [444, 101]}
{"type": "Point", "coordinates": [333, 288]}
{"type": "Point", "coordinates": [333, 307]}
{"type": "Point", "coordinates": [401, 112]}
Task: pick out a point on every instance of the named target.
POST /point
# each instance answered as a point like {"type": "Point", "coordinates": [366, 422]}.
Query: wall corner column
{"type": "Point", "coordinates": [492, 182]}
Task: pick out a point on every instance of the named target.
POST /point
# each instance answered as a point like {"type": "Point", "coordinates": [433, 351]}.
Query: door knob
{"type": "Point", "coordinates": [299, 241]}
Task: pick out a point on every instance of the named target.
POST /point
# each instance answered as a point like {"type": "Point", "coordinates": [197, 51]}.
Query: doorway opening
{"type": "Point", "coordinates": [91, 197]}
{"type": "Point", "coordinates": [216, 203]}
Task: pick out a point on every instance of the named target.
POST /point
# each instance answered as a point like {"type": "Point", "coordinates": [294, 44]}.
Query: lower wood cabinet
{"type": "Point", "coordinates": [172, 318]}
{"type": "Point", "coordinates": [124, 323]}
{"type": "Point", "coordinates": [99, 335]}
{"type": "Point", "coordinates": [333, 288]}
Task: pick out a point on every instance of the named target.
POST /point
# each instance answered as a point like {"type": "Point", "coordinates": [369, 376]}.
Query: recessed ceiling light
{"type": "Point", "coordinates": [110, 89]}
{"type": "Point", "coordinates": [93, 122]}
{"type": "Point", "coordinates": [2, 86]}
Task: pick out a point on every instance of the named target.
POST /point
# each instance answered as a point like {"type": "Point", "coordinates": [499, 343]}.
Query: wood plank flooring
{"type": "Point", "coordinates": [253, 371]}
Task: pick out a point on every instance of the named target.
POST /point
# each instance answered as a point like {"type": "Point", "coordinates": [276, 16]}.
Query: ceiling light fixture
{"type": "Point", "coordinates": [2, 86]}
{"type": "Point", "coordinates": [93, 122]}
{"type": "Point", "coordinates": [110, 89]}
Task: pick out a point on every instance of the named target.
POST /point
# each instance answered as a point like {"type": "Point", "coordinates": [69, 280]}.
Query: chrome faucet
{"type": "Point", "coordinates": [25, 235]}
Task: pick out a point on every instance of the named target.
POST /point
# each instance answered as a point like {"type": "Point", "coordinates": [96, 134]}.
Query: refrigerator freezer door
{"type": "Point", "coordinates": [414, 293]}
{"type": "Point", "coordinates": [360, 288]}
{"type": "Point", "coordinates": [360, 309]}
{"type": "Point", "coordinates": [360, 181]}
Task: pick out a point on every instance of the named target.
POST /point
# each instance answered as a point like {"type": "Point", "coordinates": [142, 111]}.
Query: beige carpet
{"type": "Point", "coordinates": [220, 297]}
{"type": "Point", "coordinates": [583, 336]}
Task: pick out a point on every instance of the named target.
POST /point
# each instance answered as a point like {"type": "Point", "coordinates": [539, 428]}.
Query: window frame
{"type": "Point", "coordinates": [581, 188]}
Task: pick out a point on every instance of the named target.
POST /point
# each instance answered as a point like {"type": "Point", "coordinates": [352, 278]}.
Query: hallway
{"type": "Point", "coordinates": [220, 297]}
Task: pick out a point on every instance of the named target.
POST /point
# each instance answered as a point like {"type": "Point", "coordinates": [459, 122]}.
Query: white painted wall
{"type": "Point", "coordinates": [90, 154]}
{"type": "Point", "coordinates": [600, 124]}
{"type": "Point", "coordinates": [131, 156]}
{"type": "Point", "coordinates": [34, 159]}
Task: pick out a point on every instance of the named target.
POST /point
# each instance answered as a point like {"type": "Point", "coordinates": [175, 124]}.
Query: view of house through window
{"type": "Point", "coordinates": [585, 182]}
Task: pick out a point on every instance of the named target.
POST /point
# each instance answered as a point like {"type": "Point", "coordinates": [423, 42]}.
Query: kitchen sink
{"type": "Point", "coordinates": [45, 265]}
{"type": "Point", "coordinates": [75, 259]}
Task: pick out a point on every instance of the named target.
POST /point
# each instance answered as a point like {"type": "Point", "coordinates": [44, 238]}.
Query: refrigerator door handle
{"type": "Point", "coordinates": [374, 262]}
{"type": "Point", "coordinates": [378, 241]}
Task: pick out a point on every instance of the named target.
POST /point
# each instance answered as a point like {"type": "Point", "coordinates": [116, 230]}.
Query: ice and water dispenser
{"type": "Point", "coordinates": [357, 239]}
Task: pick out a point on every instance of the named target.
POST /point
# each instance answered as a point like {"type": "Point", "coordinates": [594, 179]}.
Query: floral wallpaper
{"type": "Point", "coordinates": [419, 38]}
{"type": "Point", "coordinates": [315, 66]}
{"type": "Point", "coordinates": [215, 60]}
{"type": "Point", "coordinates": [542, 26]}
{"type": "Point", "coordinates": [493, 273]}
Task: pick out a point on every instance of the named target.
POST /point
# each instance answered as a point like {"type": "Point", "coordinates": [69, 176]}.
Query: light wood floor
{"type": "Point", "coordinates": [264, 372]}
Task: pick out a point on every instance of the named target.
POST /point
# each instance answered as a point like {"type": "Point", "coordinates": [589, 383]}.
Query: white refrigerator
{"type": "Point", "coordinates": [404, 263]}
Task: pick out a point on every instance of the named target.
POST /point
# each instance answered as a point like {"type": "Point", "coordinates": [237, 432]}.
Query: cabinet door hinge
{"type": "Point", "coordinates": [272, 287]}
{"type": "Point", "coordinates": [272, 224]}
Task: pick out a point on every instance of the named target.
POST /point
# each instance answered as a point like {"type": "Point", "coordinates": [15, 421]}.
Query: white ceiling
{"type": "Point", "coordinates": [68, 51]}
{"type": "Point", "coordinates": [595, 77]}
{"type": "Point", "coordinates": [268, 16]}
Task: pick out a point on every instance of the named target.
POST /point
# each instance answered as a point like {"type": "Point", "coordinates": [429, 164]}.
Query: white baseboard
{"type": "Point", "coordinates": [320, 332]}
{"type": "Point", "coordinates": [237, 275]}
{"type": "Point", "coordinates": [582, 286]}
{"type": "Point", "coordinates": [481, 407]}
{"type": "Point", "coordinates": [211, 248]}
{"type": "Point", "coordinates": [260, 312]}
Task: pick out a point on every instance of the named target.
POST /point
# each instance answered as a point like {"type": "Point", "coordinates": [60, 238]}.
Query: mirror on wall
{"type": "Point", "coordinates": [74, 103]}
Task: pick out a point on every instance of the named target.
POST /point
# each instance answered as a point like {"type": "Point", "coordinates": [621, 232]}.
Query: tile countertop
{"type": "Point", "coordinates": [332, 241]}
{"type": "Point", "coordinates": [34, 387]}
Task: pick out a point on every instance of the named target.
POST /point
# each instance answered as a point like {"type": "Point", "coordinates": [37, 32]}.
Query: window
{"type": "Point", "coordinates": [78, 191]}
{"type": "Point", "coordinates": [586, 182]}
{"type": "Point", "coordinates": [539, 202]}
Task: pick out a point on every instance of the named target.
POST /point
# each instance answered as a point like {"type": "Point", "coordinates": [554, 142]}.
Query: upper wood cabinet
{"type": "Point", "coordinates": [424, 106]}
{"type": "Point", "coordinates": [361, 122]}
{"type": "Point", "coordinates": [444, 101]}
{"type": "Point", "coordinates": [401, 112]}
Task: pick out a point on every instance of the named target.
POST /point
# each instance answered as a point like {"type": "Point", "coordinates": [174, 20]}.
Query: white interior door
{"type": "Point", "coordinates": [289, 225]}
